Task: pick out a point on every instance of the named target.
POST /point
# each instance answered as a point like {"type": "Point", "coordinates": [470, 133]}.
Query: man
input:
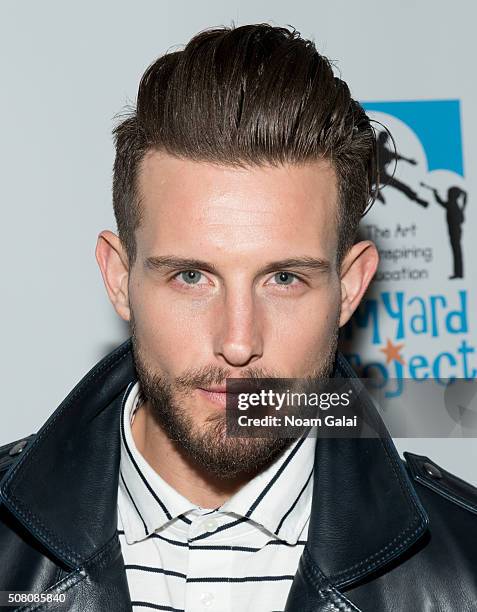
{"type": "Point", "coordinates": [239, 183]}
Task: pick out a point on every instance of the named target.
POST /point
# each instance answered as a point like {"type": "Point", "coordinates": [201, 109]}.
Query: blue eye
{"type": "Point", "coordinates": [284, 278]}
{"type": "Point", "coordinates": [191, 277]}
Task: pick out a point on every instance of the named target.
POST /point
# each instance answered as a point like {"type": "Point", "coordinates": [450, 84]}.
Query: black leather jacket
{"type": "Point", "coordinates": [385, 534]}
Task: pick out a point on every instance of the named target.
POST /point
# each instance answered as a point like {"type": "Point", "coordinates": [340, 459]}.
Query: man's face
{"type": "Point", "coordinates": [234, 277]}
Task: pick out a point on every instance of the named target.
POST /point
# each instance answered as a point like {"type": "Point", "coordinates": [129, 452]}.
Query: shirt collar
{"type": "Point", "coordinates": [278, 499]}
{"type": "Point", "coordinates": [154, 502]}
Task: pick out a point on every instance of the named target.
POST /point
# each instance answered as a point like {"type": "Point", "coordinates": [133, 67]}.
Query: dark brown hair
{"type": "Point", "coordinates": [250, 95]}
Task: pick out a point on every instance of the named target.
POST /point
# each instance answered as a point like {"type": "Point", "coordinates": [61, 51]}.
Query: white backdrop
{"type": "Point", "coordinates": [67, 69]}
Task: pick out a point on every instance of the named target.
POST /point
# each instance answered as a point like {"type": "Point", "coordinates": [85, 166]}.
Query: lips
{"type": "Point", "coordinates": [217, 394]}
{"type": "Point", "coordinates": [215, 389]}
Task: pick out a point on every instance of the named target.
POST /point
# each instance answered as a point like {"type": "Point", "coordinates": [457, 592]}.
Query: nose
{"type": "Point", "coordinates": [239, 340]}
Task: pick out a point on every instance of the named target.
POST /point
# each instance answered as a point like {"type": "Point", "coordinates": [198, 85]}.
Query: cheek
{"type": "Point", "coordinates": [300, 331]}
{"type": "Point", "coordinates": [172, 332]}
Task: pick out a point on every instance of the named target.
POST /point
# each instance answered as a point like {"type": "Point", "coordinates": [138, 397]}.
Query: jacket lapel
{"type": "Point", "coordinates": [365, 512]}
{"type": "Point", "coordinates": [64, 488]}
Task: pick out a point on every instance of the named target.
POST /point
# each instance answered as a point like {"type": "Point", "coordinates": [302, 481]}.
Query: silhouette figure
{"type": "Point", "coordinates": [386, 156]}
{"type": "Point", "coordinates": [455, 219]}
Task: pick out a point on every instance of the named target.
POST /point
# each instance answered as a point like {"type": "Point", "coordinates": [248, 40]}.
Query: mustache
{"type": "Point", "coordinates": [216, 375]}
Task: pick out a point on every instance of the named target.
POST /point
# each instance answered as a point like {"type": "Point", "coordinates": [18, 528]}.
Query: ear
{"type": "Point", "coordinates": [357, 271]}
{"type": "Point", "coordinates": [113, 263]}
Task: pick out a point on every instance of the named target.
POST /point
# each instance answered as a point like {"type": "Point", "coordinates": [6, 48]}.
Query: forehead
{"type": "Point", "coordinates": [186, 204]}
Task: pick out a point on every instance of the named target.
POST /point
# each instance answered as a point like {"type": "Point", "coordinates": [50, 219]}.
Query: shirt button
{"type": "Point", "coordinates": [210, 525]}
{"type": "Point", "coordinates": [206, 599]}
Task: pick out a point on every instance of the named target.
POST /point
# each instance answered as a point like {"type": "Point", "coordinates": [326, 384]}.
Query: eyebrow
{"type": "Point", "coordinates": [164, 263]}
{"type": "Point", "coordinates": [300, 263]}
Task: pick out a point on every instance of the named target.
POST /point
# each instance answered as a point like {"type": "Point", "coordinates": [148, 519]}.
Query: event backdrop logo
{"type": "Point", "coordinates": [414, 322]}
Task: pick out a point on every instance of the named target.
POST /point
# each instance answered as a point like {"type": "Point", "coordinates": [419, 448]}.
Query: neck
{"type": "Point", "coordinates": [178, 469]}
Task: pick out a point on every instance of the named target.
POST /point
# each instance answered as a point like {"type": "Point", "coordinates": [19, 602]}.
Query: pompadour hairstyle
{"type": "Point", "coordinates": [244, 96]}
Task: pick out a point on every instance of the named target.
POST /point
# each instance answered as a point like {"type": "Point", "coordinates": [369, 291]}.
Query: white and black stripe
{"type": "Point", "coordinates": [177, 560]}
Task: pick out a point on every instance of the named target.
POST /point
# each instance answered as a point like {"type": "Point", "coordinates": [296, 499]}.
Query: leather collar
{"type": "Point", "coordinates": [365, 511]}
{"type": "Point", "coordinates": [63, 488]}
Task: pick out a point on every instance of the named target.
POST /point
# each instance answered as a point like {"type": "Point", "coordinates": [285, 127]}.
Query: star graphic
{"type": "Point", "coordinates": [392, 352]}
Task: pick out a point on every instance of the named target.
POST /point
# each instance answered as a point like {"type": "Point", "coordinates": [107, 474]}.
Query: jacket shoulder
{"type": "Point", "coordinates": [10, 452]}
{"type": "Point", "coordinates": [428, 473]}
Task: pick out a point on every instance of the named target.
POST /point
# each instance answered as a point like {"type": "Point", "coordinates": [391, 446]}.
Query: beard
{"type": "Point", "coordinates": [207, 444]}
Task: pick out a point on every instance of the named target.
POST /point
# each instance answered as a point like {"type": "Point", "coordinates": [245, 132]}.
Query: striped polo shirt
{"type": "Point", "coordinates": [240, 556]}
